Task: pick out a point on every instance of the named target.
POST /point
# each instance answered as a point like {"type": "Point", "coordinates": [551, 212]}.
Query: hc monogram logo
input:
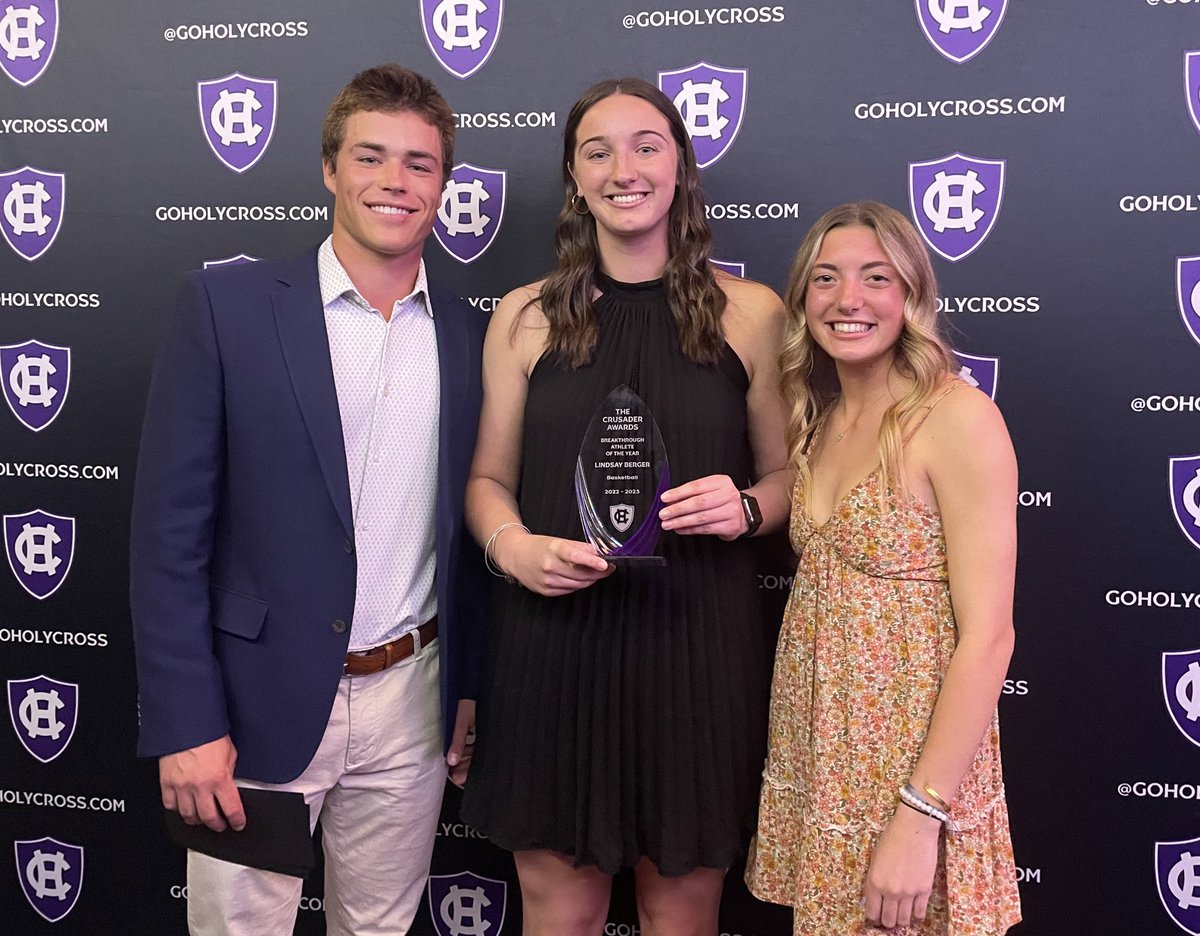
{"type": "Point", "coordinates": [960, 29]}
{"type": "Point", "coordinates": [238, 116]}
{"type": "Point", "coordinates": [236, 260]}
{"type": "Point", "coordinates": [955, 202]}
{"type": "Point", "coordinates": [36, 379]}
{"type": "Point", "coordinates": [1187, 291]}
{"type": "Point", "coordinates": [462, 34]}
{"type": "Point", "coordinates": [1177, 871]}
{"type": "Point", "coordinates": [40, 547]}
{"type": "Point", "coordinates": [28, 35]}
{"type": "Point", "coordinates": [1181, 690]}
{"type": "Point", "coordinates": [1191, 84]}
{"type": "Point", "coordinates": [31, 205]}
{"type": "Point", "coordinates": [1184, 480]}
{"type": "Point", "coordinates": [466, 904]}
{"type": "Point", "coordinates": [43, 712]}
{"type": "Point", "coordinates": [51, 874]}
{"type": "Point", "coordinates": [983, 373]}
{"type": "Point", "coordinates": [712, 102]}
{"type": "Point", "coordinates": [621, 516]}
{"type": "Point", "coordinates": [471, 211]}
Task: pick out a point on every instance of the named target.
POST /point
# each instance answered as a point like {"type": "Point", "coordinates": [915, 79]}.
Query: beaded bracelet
{"type": "Point", "coordinates": [912, 799]}
{"type": "Point", "coordinates": [489, 557]}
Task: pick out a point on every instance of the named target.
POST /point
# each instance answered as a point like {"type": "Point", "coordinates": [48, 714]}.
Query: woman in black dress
{"type": "Point", "coordinates": [622, 711]}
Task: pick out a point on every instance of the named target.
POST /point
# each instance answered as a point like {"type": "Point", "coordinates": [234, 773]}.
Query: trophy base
{"type": "Point", "coordinates": [642, 561]}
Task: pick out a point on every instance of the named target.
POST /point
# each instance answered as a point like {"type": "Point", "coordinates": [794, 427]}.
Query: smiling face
{"type": "Point", "coordinates": [854, 298]}
{"type": "Point", "coordinates": [625, 166]}
{"type": "Point", "coordinates": [387, 186]}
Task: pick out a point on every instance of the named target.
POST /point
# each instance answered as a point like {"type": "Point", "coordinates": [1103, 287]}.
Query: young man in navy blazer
{"type": "Point", "coordinates": [306, 600]}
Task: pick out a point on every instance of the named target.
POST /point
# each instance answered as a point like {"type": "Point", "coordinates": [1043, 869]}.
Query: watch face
{"type": "Point", "coordinates": [753, 514]}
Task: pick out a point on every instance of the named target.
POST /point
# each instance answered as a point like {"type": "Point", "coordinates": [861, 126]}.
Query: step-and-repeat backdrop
{"type": "Point", "coordinates": [1049, 153]}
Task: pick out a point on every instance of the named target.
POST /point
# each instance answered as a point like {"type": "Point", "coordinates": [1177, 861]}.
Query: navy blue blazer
{"type": "Point", "coordinates": [242, 575]}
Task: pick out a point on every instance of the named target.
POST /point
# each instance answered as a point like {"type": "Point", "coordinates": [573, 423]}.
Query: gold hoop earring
{"type": "Point", "coordinates": [575, 204]}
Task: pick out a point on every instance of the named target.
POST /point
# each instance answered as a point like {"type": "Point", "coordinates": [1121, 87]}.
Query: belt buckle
{"type": "Point", "coordinates": [346, 674]}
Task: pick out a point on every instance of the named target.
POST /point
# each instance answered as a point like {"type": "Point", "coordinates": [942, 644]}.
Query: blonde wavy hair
{"type": "Point", "coordinates": [809, 377]}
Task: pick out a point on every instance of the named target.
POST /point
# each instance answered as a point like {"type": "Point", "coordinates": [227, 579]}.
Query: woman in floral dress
{"type": "Point", "coordinates": [882, 801]}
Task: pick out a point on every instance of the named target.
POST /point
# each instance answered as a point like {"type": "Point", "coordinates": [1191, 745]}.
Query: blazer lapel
{"type": "Point", "coordinates": [300, 322]}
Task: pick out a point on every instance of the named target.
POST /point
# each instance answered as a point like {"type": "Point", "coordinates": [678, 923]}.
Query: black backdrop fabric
{"type": "Point", "coordinates": [1048, 151]}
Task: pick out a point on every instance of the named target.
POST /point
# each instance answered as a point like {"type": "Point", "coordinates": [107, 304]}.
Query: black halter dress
{"type": "Point", "coordinates": [628, 719]}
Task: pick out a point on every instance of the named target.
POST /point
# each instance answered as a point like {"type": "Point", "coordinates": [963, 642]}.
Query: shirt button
{"type": "Point", "coordinates": [339, 626]}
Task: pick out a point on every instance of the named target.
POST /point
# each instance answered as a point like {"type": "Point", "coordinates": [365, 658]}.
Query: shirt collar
{"type": "Point", "coordinates": [335, 282]}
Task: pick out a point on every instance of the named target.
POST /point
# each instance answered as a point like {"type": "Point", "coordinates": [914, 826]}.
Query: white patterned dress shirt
{"type": "Point", "coordinates": [386, 374]}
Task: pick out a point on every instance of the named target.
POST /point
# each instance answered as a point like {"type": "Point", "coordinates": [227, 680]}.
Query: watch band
{"type": "Point", "coordinates": [753, 514]}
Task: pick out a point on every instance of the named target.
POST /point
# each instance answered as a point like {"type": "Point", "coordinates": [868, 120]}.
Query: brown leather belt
{"type": "Point", "coordinates": [377, 659]}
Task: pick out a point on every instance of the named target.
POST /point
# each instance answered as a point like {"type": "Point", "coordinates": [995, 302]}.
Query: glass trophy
{"type": "Point", "coordinates": [620, 477]}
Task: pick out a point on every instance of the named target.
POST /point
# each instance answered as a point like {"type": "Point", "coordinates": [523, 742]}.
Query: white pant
{"type": "Point", "coordinates": [376, 784]}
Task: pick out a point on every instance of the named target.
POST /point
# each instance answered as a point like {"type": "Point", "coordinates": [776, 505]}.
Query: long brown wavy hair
{"type": "Point", "coordinates": [695, 299]}
{"type": "Point", "coordinates": [808, 375]}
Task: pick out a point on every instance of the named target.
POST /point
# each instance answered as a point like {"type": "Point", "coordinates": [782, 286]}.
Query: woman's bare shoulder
{"type": "Point", "coordinates": [749, 297]}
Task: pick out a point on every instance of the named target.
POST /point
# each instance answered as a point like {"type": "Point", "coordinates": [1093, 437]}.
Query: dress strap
{"type": "Point", "coordinates": [950, 387]}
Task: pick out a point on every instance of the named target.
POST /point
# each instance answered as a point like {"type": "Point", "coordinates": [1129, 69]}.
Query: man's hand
{"type": "Point", "coordinates": [462, 744]}
{"type": "Point", "coordinates": [198, 783]}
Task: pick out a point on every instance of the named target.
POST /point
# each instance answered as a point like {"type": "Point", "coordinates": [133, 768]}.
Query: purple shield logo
{"type": "Point", "coordinates": [980, 372]}
{"type": "Point", "coordinates": [1177, 871]}
{"type": "Point", "coordinates": [467, 903]}
{"type": "Point", "coordinates": [28, 35]}
{"type": "Point", "coordinates": [1181, 690]}
{"type": "Point", "coordinates": [462, 34]}
{"type": "Point", "coordinates": [31, 209]}
{"type": "Point", "coordinates": [1187, 291]}
{"type": "Point", "coordinates": [1191, 84]}
{"type": "Point", "coordinates": [712, 102]}
{"type": "Point", "coordinates": [40, 548]}
{"type": "Point", "coordinates": [955, 202]}
{"type": "Point", "coordinates": [1185, 495]}
{"type": "Point", "coordinates": [43, 713]}
{"type": "Point", "coordinates": [236, 260]}
{"type": "Point", "coordinates": [36, 380]}
{"type": "Point", "coordinates": [960, 29]}
{"type": "Point", "coordinates": [736, 267]}
{"type": "Point", "coordinates": [51, 874]}
{"type": "Point", "coordinates": [238, 116]}
{"type": "Point", "coordinates": [472, 208]}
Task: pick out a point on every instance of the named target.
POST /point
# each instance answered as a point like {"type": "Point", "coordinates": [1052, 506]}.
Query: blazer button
{"type": "Point", "coordinates": [339, 626]}
{"type": "Point", "coordinates": [348, 546]}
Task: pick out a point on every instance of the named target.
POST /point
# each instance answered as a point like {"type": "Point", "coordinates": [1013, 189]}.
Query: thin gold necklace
{"type": "Point", "coordinates": [841, 435]}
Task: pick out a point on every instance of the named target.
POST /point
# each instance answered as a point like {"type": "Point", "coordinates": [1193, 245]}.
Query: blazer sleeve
{"type": "Point", "coordinates": [474, 584]}
{"type": "Point", "coordinates": [179, 478]}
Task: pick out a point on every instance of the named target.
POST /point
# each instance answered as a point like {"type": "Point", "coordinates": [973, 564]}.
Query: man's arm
{"type": "Point", "coordinates": [180, 467]}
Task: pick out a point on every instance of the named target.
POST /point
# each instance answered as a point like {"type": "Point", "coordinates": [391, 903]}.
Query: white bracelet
{"type": "Point", "coordinates": [489, 551]}
{"type": "Point", "coordinates": [912, 799]}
